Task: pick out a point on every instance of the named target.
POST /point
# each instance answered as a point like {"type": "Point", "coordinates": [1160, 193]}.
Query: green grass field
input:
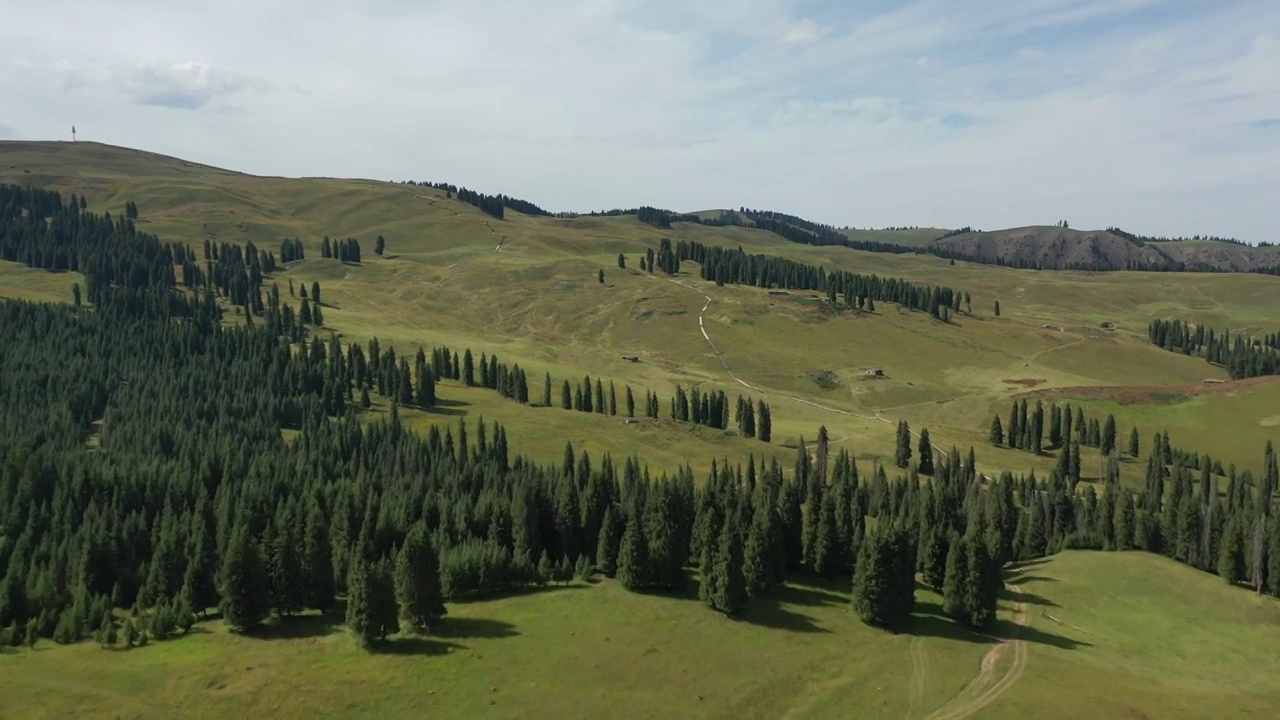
{"type": "Point", "coordinates": [1109, 635]}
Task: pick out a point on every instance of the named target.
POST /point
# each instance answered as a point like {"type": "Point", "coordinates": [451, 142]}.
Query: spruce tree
{"type": "Point", "coordinates": [730, 591]}
{"type": "Point", "coordinates": [1109, 436]}
{"type": "Point", "coordinates": [360, 601]}
{"type": "Point", "coordinates": [242, 582]}
{"type": "Point", "coordinates": [417, 580]}
{"type": "Point", "coordinates": [1134, 443]}
{"type": "Point", "coordinates": [956, 586]}
{"type": "Point", "coordinates": [566, 396]}
{"type": "Point", "coordinates": [984, 586]}
{"type": "Point", "coordinates": [880, 594]}
{"type": "Point", "coordinates": [607, 544]}
{"type": "Point", "coordinates": [757, 552]}
{"type": "Point", "coordinates": [764, 423]}
{"type": "Point", "coordinates": [996, 436]}
{"type": "Point", "coordinates": [631, 403]}
{"type": "Point", "coordinates": [633, 555]}
{"type": "Point", "coordinates": [1231, 565]}
{"type": "Point", "coordinates": [903, 456]}
{"type": "Point", "coordinates": [926, 453]}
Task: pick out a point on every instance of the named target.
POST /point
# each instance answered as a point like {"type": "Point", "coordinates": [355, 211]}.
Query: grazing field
{"type": "Point", "coordinates": [1108, 634]}
{"type": "Point", "coordinates": [536, 301]}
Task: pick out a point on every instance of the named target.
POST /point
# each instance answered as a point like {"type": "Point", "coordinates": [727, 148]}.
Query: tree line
{"type": "Point", "coordinates": [1241, 355]}
{"type": "Point", "coordinates": [732, 265]}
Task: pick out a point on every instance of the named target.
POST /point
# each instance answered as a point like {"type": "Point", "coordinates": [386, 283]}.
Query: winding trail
{"type": "Point", "coordinates": [725, 363]}
{"type": "Point", "coordinates": [987, 687]}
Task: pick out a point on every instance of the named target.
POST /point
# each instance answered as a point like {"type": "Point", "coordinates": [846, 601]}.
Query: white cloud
{"type": "Point", "coordinates": [805, 31]}
{"type": "Point", "coordinates": [1104, 111]}
{"type": "Point", "coordinates": [183, 85]}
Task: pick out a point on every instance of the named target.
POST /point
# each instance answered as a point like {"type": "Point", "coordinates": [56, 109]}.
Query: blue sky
{"type": "Point", "coordinates": [1161, 117]}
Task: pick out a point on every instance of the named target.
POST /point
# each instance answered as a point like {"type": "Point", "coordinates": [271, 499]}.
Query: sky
{"type": "Point", "coordinates": [1158, 116]}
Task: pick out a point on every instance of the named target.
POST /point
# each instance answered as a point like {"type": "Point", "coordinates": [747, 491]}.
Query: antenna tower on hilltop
{"type": "Point", "coordinates": [73, 133]}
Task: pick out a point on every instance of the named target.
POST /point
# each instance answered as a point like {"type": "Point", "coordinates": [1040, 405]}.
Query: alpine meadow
{"type": "Point", "coordinates": [318, 447]}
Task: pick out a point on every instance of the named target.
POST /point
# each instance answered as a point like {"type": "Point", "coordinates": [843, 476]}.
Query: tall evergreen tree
{"type": "Point", "coordinates": [243, 582]}
{"type": "Point", "coordinates": [926, 453]}
{"type": "Point", "coordinates": [417, 581]}
{"type": "Point", "coordinates": [903, 456]}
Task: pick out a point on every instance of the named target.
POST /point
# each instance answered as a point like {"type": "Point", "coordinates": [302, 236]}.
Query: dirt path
{"type": "Point", "coordinates": [919, 676]}
{"type": "Point", "coordinates": [987, 686]}
{"type": "Point", "coordinates": [720, 356]}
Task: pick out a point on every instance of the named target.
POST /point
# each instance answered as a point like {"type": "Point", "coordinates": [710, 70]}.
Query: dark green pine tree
{"type": "Point", "coordinates": [729, 593]}
{"type": "Point", "coordinates": [613, 399]}
{"type": "Point", "coordinates": [417, 580]}
{"type": "Point", "coordinates": [607, 544]}
{"type": "Point", "coordinates": [764, 423]}
{"type": "Point", "coordinates": [633, 554]}
{"type": "Point", "coordinates": [758, 552]}
{"type": "Point", "coordinates": [984, 586]}
{"type": "Point", "coordinates": [317, 561]}
{"type": "Point", "coordinates": [1231, 565]}
{"type": "Point", "coordinates": [243, 582]}
{"type": "Point", "coordinates": [903, 455]}
{"type": "Point", "coordinates": [826, 552]}
{"type": "Point", "coordinates": [566, 396]}
{"type": "Point", "coordinates": [286, 577]}
{"type": "Point", "coordinates": [1134, 443]}
{"type": "Point", "coordinates": [997, 308]}
{"type": "Point", "coordinates": [926, 453]}
{"type": "Point", "coordinates": [631, 403]}
{"type": "Point", "coordinates": [956, 586]}
{"type": "Point", "coordinates": [468, 369]}
{"type": "Point", "coordinates": [546, 391]}
{"type": "Point", "coordinates": [622, 261]}
{"type": "Point", "coordinates": [1109, 436]}
{"type": "Point", "coordinates": [996, 436]}
{"type": "Point", "coordinates": [365, 402]}
{"type": "Point", "coordinates": [880, 597]}
{"type": "Point", "coordinates": [372, 614]}
{"type": "Point", "coordinates": [1014, 431]}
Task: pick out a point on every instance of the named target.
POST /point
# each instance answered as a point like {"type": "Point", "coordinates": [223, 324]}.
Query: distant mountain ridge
{"type": "Point", "coordinates": [1059, 248]}
{"type": "Point", "coordinates": [1031, 247]}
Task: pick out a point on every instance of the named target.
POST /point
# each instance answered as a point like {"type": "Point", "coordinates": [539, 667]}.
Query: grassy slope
{"type": "Point", "coordinates": [1155, 640]}
{"type": "Point", "coordinates": [1135, 635]}
{"type": "Point", "coordinates": [537, 302]}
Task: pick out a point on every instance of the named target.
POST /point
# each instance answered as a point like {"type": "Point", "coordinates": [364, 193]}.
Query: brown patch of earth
{"type": "Point", "coordinates": [1144, 394]}
{"type": "Point", "coordinates": [1025, 382]}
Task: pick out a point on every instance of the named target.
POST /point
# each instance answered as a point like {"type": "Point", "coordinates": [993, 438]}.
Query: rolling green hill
{"type": "Point", "coordinates": [1078, 634]}
{"type": "Point", "coordinates": [536, 300]}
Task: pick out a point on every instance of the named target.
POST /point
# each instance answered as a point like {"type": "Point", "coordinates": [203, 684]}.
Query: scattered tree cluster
{"type": "Point", "coordinates": [1242, 356]}
{"type": "Point", "coordinates": [344, 249]}
{"type": "Point", "coordinates": [291, 249]}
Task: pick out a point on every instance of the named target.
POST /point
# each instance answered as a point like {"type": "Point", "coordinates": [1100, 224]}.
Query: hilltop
{"type": "Point", "coordinates": [94, 169]}
{"type": "Point", "coordinates": [1057, 248]}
